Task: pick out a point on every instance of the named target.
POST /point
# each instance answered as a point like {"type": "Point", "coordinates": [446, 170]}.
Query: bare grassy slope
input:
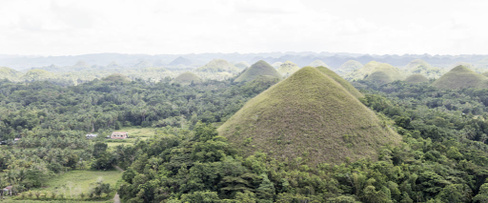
{"type": "Point", "coordinates": [308, 115]}
{"type": "Point", "coordinates": [461, 77]}
{"type": "Point", "coordinates": [341, 81]}
{"type": "Point", "coordinates": [260, 68]}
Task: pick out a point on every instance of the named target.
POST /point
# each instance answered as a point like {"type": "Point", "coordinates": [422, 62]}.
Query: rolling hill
{"type": "Point", "coordinates": [37, 75]}
{"type": "Point", "coordinates": [242, 65]}
{"type": "Point", "coordinates": [8, 73]}
{"type": "Point", "coordinates": [218, 66]}
{"type": "Point", "coordinates": [350, 66]}
{"type": "Point", "coordinates": [461, 77]}
{"type": "Point", "coordinates": [419, 66]}
{"type": "Point", "coordinates": [416, 78]}
{"type": "Point", "coordinates": [308, 115]}
{"type": "Point", "coordinates": [258, 69]}
{"type": "Point", "coordinates": [380, 73]}
{"type": "Point", "coordinates": [187, 78]}
{"type": "Point", "coordinates": [287, 68]}
{"type": "Point", "coordinates": [318, 63]}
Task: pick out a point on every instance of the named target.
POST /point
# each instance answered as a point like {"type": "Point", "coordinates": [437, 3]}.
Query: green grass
{"type": "Point", "coordinates": [341, 81]}
{"type": "Point", "coordinates": [307, 115]}
{"type": "Point", "coordinates": [461, 77]}
{"type": "Point", "coordinates": [81, 181]}
{"type": "Point", "coordinates": [71, 184]}
{"type": "Point", "coordinates": [260, 68]}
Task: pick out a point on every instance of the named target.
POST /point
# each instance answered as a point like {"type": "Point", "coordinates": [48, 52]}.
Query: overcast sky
{"type": "Point", "coordinates": [67, 27]}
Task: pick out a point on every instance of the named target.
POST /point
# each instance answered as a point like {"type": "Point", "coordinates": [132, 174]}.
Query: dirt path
{"type": "Point", "coordinates": [116, 197]}
{"type": "Point", "coordinates": [118, 168]}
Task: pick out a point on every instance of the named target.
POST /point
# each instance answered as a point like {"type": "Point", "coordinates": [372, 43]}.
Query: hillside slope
{"type": "Point", "coordinates": [341, 81]}
{"type": "Point", "coordinates": [308, 115]}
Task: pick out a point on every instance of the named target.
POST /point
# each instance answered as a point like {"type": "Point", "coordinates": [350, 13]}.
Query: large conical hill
{"type": "Point", "coordinates": [187, 78]}
{"type": "Point", "coordinates": [341, 81]}
{"type": "Point", "coordinates": [308, 115]}
{"type": "Point", "coordinates": [258, 69]}
{"type": "Point", "coordinates": [461, 77]}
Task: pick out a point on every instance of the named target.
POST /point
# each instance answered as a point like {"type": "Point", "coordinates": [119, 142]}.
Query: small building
{"type": "Point", "coordinates": [119, 135]}
{"type": "Point", "coordinates": [91, 136]}
{"type": "Point", "coordinates": [7, 190]}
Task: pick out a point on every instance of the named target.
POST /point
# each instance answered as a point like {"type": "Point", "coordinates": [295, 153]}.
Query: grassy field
{"type": "Point", "coordinates": [55, 201]}
{"type": "Point", "coordinates": [75, 182]}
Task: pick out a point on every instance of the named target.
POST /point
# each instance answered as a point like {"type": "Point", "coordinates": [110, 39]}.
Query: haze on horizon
{"type": "Point", "coordinates": [68, 27]}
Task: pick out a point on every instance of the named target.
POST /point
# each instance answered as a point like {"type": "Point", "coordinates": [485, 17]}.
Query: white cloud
{"type": "Point", "coordinates": [61, 27]}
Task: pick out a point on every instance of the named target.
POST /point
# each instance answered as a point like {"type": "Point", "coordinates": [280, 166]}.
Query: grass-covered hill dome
{"type": "Point", "coordinates": [461, 77]}
{"type": "Point", "coordinates": [416, 78]}
{"type": "Point", "coordinates": [218, 66]}
{"type": "Point", "coordinates": [350, 66]}
{"type": "Point", "coordinates": [419, 66]}
{"type": "Point", "coordinates": [288, 68]}
{"type": "Point", "coordinates": [8, 73]}
{"type": "Point", "coordinates": [258, 69]}
{"type": "Point", "coordinates": [318, 63]}
{"type": "Point", "coordinates": [311, 116]}
{"type": "Point", "coordinates": [187, 78]}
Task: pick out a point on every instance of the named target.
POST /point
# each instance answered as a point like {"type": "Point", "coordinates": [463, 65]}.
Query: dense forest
{"type": "Point", "coordinates": [442, 158]}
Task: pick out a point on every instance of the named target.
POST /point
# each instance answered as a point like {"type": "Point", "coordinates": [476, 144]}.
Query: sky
{"type": "Point", "coordinates": [69, 27]}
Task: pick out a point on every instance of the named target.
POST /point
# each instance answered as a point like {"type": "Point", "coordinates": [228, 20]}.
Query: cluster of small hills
{"type": "Point", "coordinates": [415, 72]}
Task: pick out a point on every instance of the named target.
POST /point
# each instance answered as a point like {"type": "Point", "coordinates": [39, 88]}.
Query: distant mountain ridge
{"type": "Point", "coordinates": [334, 60]}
